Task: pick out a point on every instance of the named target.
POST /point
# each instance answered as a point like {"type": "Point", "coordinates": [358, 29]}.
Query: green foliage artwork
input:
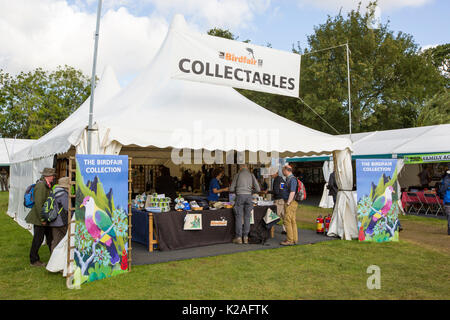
{"type": "Point", "coordinates": [378, 195]}
{"type": "Point", "coordinates": [101, 218]}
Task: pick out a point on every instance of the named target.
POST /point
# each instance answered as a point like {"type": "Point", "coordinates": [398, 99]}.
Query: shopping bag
{"type": "Point", "coordinates": [271, 217]}
{"type": "Point", "coordinates": [193, 221]}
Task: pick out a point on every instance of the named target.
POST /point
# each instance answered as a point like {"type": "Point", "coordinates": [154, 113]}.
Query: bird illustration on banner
{"type": "Point", "coordinates": [100, 227]}
{"type": "Point", "coordinates": [380, 208]}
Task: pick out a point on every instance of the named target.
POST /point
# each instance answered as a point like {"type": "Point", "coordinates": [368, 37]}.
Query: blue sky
{"type": "Point", "coordinates": [59, 32]}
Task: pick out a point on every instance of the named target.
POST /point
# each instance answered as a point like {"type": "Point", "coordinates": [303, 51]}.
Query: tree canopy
{"type": "Point", "coordinates": [32, 103]}
{"type": "Point", "coordinates": [393, 84]}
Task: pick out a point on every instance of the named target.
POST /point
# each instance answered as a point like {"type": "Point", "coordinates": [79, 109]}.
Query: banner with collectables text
{"type": "Point", "coordinates": [101, 217]}
{"type": "Point", "coordinates": [205, 58]}
{"type": "Point", "coordinates": [377, 196]}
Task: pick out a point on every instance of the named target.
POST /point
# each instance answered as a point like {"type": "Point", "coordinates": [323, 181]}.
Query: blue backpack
{"type": "Point", "coordinates": [28, 198]}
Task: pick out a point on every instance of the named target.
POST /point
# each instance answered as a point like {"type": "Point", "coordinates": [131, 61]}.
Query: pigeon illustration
{"type": "Point", "coordinates": [97, 223]}
{"type": "Point", "coordinates": [380, 208]}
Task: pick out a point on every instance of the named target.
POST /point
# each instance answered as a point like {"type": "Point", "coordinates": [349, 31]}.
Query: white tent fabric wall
{"type": "Point", "coordinates": [344, 223]}
{"type": "Point", "coordinates": [30, 161]}
{"type": "Point", "coordinates": [327, 201]}
{"type": "Point", "coordinates": [22, 175]}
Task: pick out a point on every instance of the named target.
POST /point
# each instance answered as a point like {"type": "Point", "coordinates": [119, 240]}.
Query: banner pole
{"type": "Point", "coordinates": [94, 67]}
{"type": "Point", "coordinates": [349, 97]}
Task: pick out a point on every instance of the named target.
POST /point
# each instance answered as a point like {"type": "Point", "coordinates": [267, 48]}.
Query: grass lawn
{"type": "Point", "coordinates": [410, 269]}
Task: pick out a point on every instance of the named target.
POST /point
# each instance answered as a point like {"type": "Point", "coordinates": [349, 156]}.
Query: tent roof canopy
{"type": "Point", "coordinates": [9, 146]}
{"type": "Point", "coordinates": [428, 139]}
{"type": "Point", "coordinates": [156, 110]}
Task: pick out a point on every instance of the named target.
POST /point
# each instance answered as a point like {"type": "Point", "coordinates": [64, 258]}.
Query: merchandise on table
{"type": "Point", "coordinates": [157, 203]}
{"type": "Point", "coordinates": [139, 202]}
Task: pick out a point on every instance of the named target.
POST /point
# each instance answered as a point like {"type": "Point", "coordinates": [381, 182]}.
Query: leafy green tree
{"type": "Point", "coordinates": [435, 111]}
{"type": "Point", "coordinates": [217, 32]}
{"type": "Point", "coordinates": [440, 58]}
{"type": "Point", "coordinates": [391, 81]}
{"type": "Point", "coordinates": [33, 103]}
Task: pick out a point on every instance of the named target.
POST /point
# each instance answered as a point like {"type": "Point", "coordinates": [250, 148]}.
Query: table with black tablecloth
{"type": "Point", "coordinates": [166, 228]}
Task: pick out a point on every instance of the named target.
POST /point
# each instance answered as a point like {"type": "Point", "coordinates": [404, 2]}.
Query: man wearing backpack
{"type": "Point", "coordinates": [290, 207]}
{"type": "Point", "coordinates": [59, 225]}
{"type": "Point", "coordinates": [40, 228]}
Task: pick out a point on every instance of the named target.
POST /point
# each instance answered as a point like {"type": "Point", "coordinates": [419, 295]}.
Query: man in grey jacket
{"type": "Point", "coordinates": [244, 183]}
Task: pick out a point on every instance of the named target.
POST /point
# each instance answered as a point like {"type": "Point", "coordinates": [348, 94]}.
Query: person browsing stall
{"type": "Point", "coordinates": [244, 184]}
{"type": "Point", "coordinates": [40, 228]}
{"type": "Point", "coordinates": [214, 185]}
{"type": "Point", "coordinates": [290, 207]}
{"type": "Point", "coordinates": [278, 185]}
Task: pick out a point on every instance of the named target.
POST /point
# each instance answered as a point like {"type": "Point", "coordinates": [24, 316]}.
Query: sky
{"type": "Point", "coordinates": [48, 33]}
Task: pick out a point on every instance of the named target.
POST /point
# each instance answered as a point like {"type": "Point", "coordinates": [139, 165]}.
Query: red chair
{"type": "Point", "coordinates": [433, 202]}
{"type": "Point", "coordinates": [413, 202]}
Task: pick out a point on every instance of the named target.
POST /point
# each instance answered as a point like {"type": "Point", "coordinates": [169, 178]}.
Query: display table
{"type": "Point", "coordinates": [165, 229]}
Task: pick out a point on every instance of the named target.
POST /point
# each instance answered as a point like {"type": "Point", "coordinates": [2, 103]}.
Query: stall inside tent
{"type": "Point", "coordinates": [400, 144]}
{"type": "Point", "coordinates": [158, 119]}
{"type": "Point", "coordinates": [27, 163]}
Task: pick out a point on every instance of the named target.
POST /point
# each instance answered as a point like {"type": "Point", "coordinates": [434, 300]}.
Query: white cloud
{"type": "Point", "coordinates": [347, 5]}
{"type": "Point", "coordinates": [48, 33]}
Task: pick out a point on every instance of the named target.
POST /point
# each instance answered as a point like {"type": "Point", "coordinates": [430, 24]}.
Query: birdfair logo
{"type": "Point", "coordinates": [245, 59]}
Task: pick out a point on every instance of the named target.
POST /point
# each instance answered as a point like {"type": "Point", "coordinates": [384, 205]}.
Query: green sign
{"type": "Point", "coordinates": [427, 158]}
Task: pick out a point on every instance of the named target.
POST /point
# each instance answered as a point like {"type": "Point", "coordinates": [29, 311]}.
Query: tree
{"type": "Point", "coordinates": [217, 32]}
{"type": "Point", "coordinates": [440, 58]}
{"type": "Point", "coordinates": [435, 111]}
{"type": "Point", "coordinates": [33, 103]}
{"type": "Point", "coordinates": [391, 81]}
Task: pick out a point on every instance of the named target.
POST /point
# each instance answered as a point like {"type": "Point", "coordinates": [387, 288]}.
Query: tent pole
{"type": "Point", "coordinates": [94, 67]}
{"type": "Point", "coordinates": [349, 98]}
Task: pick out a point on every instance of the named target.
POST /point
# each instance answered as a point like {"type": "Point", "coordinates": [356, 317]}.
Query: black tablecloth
{"type": "Point", "coordinates": [170, 233]}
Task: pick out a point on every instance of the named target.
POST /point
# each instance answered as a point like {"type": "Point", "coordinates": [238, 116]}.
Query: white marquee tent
{"type": "Point", "coordinates": [9, 146]}
{"type": "Point", "coordinates": [391, 144]}
{"type": "Point", "coordinates": [156, 114]}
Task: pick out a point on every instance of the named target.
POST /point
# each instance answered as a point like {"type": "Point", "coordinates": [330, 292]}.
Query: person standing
{"type": "Point", "coordinates": [278, 185]}
{"type": "Point", "coordinates": [4, 179]}
{"type": "Point", "coordinates": [445, 194]}
{"type": "Point", "coordinates": [244, 184]}
{"type": "Point", "coordinates": [332, 186]}
{"type": "Point", "coordinates": [214, 185]}
{"type": "Point", "coordinates": [40, 228]}
{"type": "Point", "coordinates": [290, 207]}
{"type": "Point", "coordinates": [59, 225]}
{"type": "Point", "coordinates": [425, 177]}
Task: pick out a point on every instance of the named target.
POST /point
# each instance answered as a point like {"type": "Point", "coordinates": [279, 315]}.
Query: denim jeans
{"type": "Point", "coordinates": [243, 208]}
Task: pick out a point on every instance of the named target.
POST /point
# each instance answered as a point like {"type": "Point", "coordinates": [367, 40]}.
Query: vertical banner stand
{"type": "Point", "coordinates": [70, 229]}
{"type": "Point", "coordinates": [130, 180]}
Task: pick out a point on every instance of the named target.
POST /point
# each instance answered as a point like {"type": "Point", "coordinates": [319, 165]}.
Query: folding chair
{"type": "Point", "coordinates": [433, 202]}
{"type": "Point", "coordinates": [413, 201]}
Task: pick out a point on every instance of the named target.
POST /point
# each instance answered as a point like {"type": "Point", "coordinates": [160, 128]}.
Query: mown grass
{"type": "Point", "coordinates": [328, 270]}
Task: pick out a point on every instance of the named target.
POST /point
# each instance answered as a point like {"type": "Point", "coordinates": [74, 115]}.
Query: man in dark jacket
{"type": "Point", "coordinates": [40, 229]}
{"type": "Point", "coordinates": [59, 225]}
{"type": "Point", "coordinates": [278, 185]}
{"type": "Point", "coordinates": [332, 186]}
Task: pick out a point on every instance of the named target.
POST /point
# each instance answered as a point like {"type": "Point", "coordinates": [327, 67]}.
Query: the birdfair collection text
{"type": "Point", "coordinates": [103, 165]}
{"type": "Point", "coordinates": [376, 166]}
